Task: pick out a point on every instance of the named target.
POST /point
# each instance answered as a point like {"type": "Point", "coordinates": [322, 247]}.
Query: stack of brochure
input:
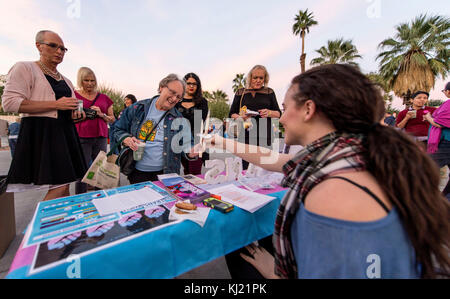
{"type": "Point", "coordinates": [182, 189]}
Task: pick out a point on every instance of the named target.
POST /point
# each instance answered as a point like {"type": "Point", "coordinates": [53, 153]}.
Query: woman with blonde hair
{"type": "Point", "coordinates": [93, 131]}
{"type": "Point", "coordinates": [259, 98]}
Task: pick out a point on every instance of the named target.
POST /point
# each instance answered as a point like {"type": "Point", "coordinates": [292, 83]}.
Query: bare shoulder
{"type": "Point", "coordinates": [336, 198]}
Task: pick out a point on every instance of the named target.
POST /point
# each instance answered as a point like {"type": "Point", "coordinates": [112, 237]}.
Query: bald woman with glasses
{"type": "Point", "coordinates": [48, 153]}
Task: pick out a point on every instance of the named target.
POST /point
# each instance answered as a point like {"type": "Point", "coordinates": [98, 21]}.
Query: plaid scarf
{"type": "Point", "coordinates": [328, 156]}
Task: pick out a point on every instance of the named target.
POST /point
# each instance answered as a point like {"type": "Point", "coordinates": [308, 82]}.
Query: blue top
{"type": "Point", "coordinates": [155, 143]}
{"type": "Point", "coordinates": [177, 132]}
{"type": "Point", "coordinates": [332, 248]}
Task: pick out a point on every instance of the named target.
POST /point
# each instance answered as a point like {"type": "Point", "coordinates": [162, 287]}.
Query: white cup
{"type": "Point", "coordinates": [139, 154]}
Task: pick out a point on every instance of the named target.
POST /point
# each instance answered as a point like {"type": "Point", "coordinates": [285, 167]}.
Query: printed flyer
{"type": "Point", "coordinates": [72, 225]}
{"type": "Point", "coordinates": [64, 216]}
{"type": "Point", "coordinates": [88, 241]}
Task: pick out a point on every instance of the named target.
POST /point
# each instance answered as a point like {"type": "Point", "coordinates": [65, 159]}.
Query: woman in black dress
{"type": "Point", "coordinates": [48, 151]}
{"type": "Point", "coordinates": [193, 101]}
{"type": "Point", "coordinates": [259, 98]}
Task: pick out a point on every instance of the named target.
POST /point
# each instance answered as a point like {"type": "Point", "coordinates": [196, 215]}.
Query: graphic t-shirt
{"type": "Point", "coordinates": [153, 154]}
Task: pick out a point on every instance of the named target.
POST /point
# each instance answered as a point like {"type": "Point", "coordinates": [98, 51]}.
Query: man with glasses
{"type": "Point", "coordinates": [166, 134]}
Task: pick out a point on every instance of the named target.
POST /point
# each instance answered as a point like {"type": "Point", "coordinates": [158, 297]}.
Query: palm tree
{"type": "Point", "coordinates": [218, 103]}
{"type": "Point", "coordinates": [337, 51]}
{"type": "Point", "coordinates": [303, 21]}
{"type": "Point", "coordinates": [115, 95]}
{"type": "Point", "coordinates": [215, 96]}
{"type": "Point", "coordinates": [238, 82]}
{"type": "Point", "coordinates": [382, 84]}
{"type": "Point", "coordinates": [416, 55]}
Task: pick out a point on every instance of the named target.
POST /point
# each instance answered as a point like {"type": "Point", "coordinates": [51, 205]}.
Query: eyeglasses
{"type": "Point", "coordinates": [56, 46]}
{"type": "Point", "coordinates": [174, 94]}
{"type": "Point", "coordinates": [191, 84]}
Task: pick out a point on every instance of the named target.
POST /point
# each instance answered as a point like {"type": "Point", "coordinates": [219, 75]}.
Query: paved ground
{"type": "Point", "coordinates": [26, 203]}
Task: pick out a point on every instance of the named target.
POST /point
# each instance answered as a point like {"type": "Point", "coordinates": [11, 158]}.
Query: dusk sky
{"type": "Point", "coordinates": [132, 45]}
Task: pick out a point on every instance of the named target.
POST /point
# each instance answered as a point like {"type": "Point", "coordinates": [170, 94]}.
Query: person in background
{"type": "Point", "coordinates": [411, 120]}
{"type": "Point", "coordinates": [439, 136]}
{"type": "Point", "coordinates": [389, 119]}
{"type": "Point", "coordinates": [169, 138]}
{"type": "Point", "coordinates": [358, 192]}
{"type": "Point", "coordinates": [3, 130]}
{"type": "Point", "coordinates": [48, 152]}
{"type": "Point", "coordinates": [127, 102]}
{"type": "Point", "coordinates": [257, 97]}
{"type": "Point", "coordinates": [193, 100]}
{"type": "Point", "coordinates": [93, 133]}
{"type": "Point", "coordinates": [13, 135]}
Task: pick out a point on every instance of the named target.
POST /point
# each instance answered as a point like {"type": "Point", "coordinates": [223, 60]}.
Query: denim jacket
{"type": "Point", "coordinates": [177, 132]}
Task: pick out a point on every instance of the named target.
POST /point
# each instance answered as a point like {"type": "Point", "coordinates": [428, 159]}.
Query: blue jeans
{"type": "Point", "coordinates": [12, 146]}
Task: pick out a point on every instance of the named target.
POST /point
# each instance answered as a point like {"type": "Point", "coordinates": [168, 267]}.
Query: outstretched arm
{"type": "Point", "coordinates": [260, 156]}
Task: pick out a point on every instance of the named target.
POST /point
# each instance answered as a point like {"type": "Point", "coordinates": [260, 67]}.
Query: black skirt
{"type": "Point", "coordinates": [48, 152]}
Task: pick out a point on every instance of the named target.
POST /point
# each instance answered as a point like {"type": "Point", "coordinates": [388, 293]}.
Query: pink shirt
{"type": "Point", "coordinates": [26, 81]}
{"type": "Point", "coordinates": [96, 127]}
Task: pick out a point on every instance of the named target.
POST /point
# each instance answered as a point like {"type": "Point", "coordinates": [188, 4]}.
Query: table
{"type": "Point", "coordinates": [164, 253]}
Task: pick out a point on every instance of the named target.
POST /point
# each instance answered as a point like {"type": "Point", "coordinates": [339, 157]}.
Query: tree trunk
{"type": "Point", "coordinates": [407, 99]}
{"type": "Point", "coordinates": [303, 62]}
{"type": "Point", "coordinates": [303, 56]}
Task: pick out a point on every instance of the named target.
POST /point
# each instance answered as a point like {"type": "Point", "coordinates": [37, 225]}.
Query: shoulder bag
{"type": "Point", "coordinates": [125, 159]}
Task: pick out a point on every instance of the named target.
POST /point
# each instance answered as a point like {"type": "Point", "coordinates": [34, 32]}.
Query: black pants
{"type": "Point", "coordinates": [138, 176]}
{"type": "Point", "coordinates": [241, 269]}
{"type": "Point", "coordinates": [442, 158]}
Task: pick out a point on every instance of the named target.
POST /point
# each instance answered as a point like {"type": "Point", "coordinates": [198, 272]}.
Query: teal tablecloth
{"type": "Point", "coordinates": [168, 252]}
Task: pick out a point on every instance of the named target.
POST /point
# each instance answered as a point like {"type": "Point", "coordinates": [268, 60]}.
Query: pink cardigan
{"type": "Point", "coordinates": [26, 81]}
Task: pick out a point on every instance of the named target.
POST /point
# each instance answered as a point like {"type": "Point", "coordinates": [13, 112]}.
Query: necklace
{"type": "Point", "coordinates": [55, 75]}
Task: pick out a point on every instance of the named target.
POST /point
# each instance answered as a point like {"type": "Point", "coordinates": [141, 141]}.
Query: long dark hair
{"type": "Point", "coordinates": [198, 96]}
{"type": "Point", "coordinates": [407, 175]}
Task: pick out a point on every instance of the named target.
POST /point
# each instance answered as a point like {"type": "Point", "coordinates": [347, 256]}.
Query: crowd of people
{"type": "Point", "coordinates": [355, 188]}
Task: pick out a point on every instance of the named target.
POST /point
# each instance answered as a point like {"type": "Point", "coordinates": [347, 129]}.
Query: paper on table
{"type": "Point", "coordinates": [244, 199]}
{"type": "Point", "coordinates": [125, 201]}
{"type": "Point", "coordinates": [198, 216]}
